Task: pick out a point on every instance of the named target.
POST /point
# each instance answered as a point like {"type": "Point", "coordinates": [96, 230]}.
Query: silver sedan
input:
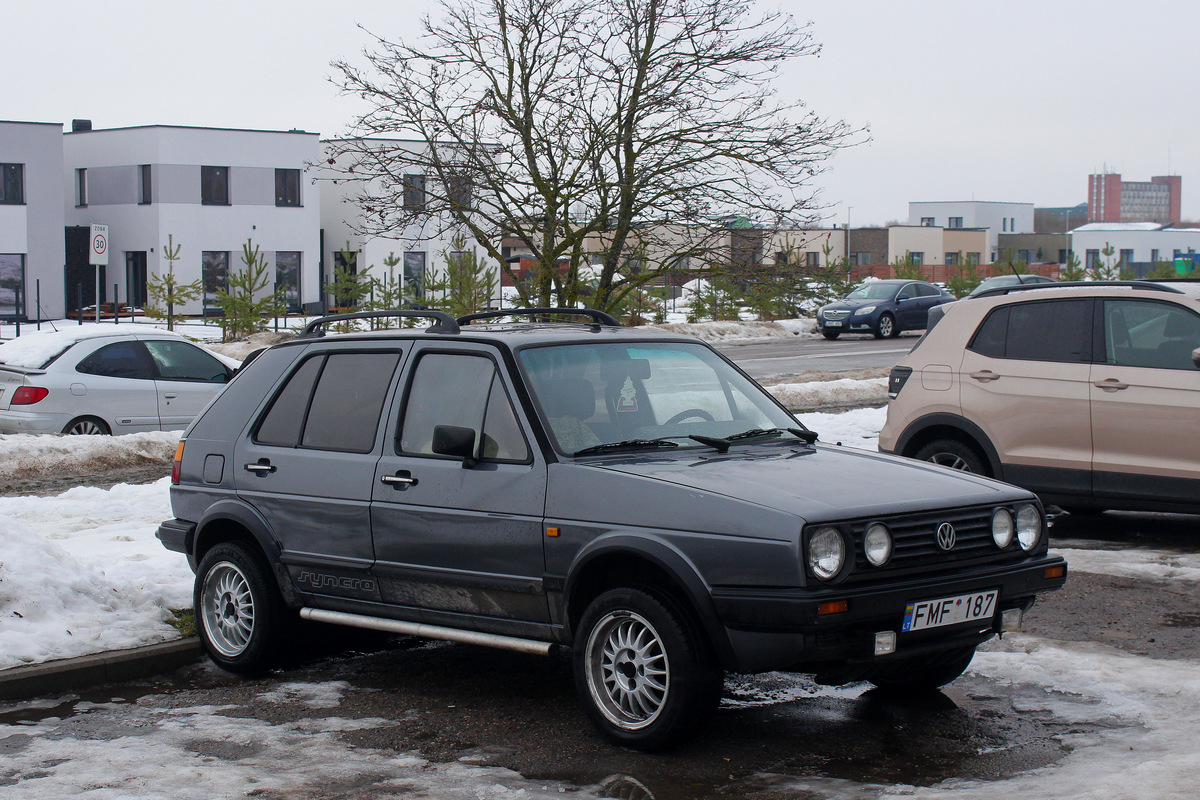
{"type": "Point", "coordinates": [102, 380]}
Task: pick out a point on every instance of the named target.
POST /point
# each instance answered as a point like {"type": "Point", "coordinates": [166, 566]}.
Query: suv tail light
{"type": "Point", "coordinates": [897, 379]}
{"type": "Point", "coordinates": [28, 395]}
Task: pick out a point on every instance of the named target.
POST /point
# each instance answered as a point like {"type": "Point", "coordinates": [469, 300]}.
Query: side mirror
{"type": "Point", "coordinates": [455, 441]}
{"type": "Point", "coordinates": [1196, 357]}
{"type": "Point", "coordinates": [903, 297]}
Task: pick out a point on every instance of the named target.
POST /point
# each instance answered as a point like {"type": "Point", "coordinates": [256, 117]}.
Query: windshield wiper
{"type": "Point", "coordinates": [800, 433]}
{"type": "Point", "coordinates": [629, 444]}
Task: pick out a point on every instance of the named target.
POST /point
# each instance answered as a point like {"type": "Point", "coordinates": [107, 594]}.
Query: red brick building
{"type": "Point", "coordinates": [1111, 199]}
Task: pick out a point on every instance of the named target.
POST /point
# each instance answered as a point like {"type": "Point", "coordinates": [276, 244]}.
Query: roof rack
{"type": "Point", "coordinates": [598, 317]}
{"type": "Point", "coordinates": [443, 322]}
{"type": "Point", "coordinates": [1026, 287]}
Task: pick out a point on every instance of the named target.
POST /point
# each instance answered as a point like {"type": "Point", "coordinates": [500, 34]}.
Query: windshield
{"type": "Point", "coordinates": [874, 291]}
{"type": "Point", "coordinates": [591, 395]}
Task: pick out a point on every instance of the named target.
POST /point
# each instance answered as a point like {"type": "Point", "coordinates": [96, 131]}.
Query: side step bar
{"type": "Point", "coordinates": [429, 631]}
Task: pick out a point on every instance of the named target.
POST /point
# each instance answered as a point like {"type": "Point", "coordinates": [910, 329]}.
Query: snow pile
{"type": "Point", "coordinates": [31, 455]}
{"type": "Point", "coordinates": [83, 573]}
{"type": "Point", "coordinates": [1133, 563]}
{"type": "Point", "coordinates": [856, 428]}
{"type": "Point", "coordinates": [741, 331]}
{"type": "Point", "coordinates": [240, 349]}
{"type": "Point", "coordinates": [838, 393]}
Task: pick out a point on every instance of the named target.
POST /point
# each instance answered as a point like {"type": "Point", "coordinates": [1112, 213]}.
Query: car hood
{"type": "Point", "coordinates": [701, 491]}
{"type": "Point", "coordinates": [853, 304]}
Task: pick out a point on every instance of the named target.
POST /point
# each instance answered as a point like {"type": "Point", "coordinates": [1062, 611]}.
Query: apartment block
{"type": "Point", "coordinates": [31, 219]}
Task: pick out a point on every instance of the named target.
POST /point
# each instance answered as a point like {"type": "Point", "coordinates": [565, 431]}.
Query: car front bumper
{"type": "Point", "coordinates": [783, 629]}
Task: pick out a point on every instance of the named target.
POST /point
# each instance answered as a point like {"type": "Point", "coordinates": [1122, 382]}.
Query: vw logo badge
{"type": "Point", "coordinates": [945, 536]}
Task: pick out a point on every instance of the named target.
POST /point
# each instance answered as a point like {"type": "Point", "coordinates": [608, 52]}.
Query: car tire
{"type": "Point", "coordinates": [831, 335]}
{"type": "Point", "coordinates": [240, 615]}
{"type": "Point", "coordinates": [87, 426]}
{"type": "Point", "coordinates": [886, 327]}
{"type": "Point", "coordinates": [644, 669]}
{"type": "Point", "coordinates": [922, 673]}
{"type": "Point", "coordinates": [953, 454]}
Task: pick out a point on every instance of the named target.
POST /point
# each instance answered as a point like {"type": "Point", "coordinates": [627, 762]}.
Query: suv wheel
{"type": "Point", "coordinates": [643, 670]}
{"type": "Point", "coordinates": [923, 673]}
{"type": "Point", "coordinates": [886, 328]}
{"type": "Point", "coordinates": [954, 454]}
{"type": "Point", "coordinates": [239, 613]}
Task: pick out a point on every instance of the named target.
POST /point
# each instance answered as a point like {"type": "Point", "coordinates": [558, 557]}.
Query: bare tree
{"type": "Point", "coordinates": [586, 126]}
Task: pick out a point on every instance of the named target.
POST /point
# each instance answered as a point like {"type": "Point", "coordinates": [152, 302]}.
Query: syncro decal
{"type": "Point", "coordinates": [336, 584]}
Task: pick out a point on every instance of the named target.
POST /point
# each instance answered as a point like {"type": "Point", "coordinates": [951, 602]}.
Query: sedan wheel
{"type": "Point", "coordinates": [86, 426]}
{"type": "Point", "coordinates": [886, 327]}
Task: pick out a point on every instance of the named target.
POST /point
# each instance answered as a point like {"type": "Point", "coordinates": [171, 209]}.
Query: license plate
{"type": "Point", "coordinates": [829, 323]}
{"type": "Point", "coordinates": [949, 611]}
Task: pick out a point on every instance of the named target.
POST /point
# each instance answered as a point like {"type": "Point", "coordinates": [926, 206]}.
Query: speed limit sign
{"type": "Point", "coordinates": [99, 249]}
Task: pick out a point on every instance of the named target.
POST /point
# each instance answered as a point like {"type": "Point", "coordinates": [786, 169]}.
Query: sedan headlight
{"type": "Point", "coordinates": [826, 553]}
{"type": "Point", "coordinates": [1002, 527]}
{"type": "Point", "coordinates": [1029, 527]}
{"type": "Point", "coordinates": [864, 310]}
{"type": "Point", "coordinates": [877, 543]}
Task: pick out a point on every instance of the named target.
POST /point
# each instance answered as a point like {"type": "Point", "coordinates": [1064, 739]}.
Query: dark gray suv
{"type": "Point", "coordinates": [626, 496]}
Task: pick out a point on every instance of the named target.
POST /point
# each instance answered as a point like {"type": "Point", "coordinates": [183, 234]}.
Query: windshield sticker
{"type": "Point", "coordinates": [628, 399]}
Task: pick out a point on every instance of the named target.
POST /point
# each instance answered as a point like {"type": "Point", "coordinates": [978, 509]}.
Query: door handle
{"type": "Point", "coordinates": [263, 467]}
{"type": "Point", "coordinates": [401, 480]}
{"type": "Point", "coordinates": [985, 376]}
{"type": "Point", "coordinates": [170, 396]}
{"type": "Point", "coordinates": [1110, 385]}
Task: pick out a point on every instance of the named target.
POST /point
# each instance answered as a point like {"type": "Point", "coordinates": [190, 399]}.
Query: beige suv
{"type": "Point", "coordinates": [1087, 394]}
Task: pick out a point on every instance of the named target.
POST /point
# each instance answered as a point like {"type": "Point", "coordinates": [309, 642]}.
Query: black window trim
{"type": "Point", "coordinates": [396, 426]}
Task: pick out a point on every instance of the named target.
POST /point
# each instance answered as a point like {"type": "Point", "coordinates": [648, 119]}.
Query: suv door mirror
{"type": "Point", "coordinates": [455, 441]}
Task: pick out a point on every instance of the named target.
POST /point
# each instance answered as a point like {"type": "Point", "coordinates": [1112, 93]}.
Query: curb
{"type": "Point", "coordinates": [72, 674]}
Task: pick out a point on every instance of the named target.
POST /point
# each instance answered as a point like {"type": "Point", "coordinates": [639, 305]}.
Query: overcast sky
{"type": "Point", "coordinates": [1004, 100]}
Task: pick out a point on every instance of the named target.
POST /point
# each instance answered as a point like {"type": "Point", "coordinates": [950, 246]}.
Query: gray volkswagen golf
{"type": "Point", "coordinates": [626, 497]}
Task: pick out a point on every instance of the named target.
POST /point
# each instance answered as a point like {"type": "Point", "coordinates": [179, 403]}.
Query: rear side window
{"type": "Point", "coordinates": [121, 360]}
{"type": "Point", "coordinates": [1145, 333]}
{"type": "Point", "coordinates": [1055, 330]}
{"type": "Point", "coordinates": [331, 402]}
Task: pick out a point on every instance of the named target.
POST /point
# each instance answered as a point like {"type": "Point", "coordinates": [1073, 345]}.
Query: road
{"type": "Point", "coordinates": [800, 355]}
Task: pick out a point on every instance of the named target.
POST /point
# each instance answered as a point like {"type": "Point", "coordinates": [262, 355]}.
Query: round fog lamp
{"type": "Point", "coordinates": [1002, 528]}
{"type": "Point", "coordinates": [826, 553]}
{"type": "Point", "coordinates": [878, 544]}
{"type": "Point", "coordinates": [1029, 527]}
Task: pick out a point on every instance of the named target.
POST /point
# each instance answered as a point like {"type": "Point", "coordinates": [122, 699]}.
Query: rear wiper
{"type": "Point", "coordinates": [629, 444]}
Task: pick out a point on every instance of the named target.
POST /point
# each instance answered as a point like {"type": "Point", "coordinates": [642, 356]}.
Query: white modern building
{"type": "Point", "coordinates": [419, 252]}
{"type": "Point", "coordinates": [31, 219]}
{"type": "Point", "coordinates": [1133, 242]}
{"type": "Point", "coordinates": [996, 217]}
{"type": "Point", "coordinates": [207, 190]}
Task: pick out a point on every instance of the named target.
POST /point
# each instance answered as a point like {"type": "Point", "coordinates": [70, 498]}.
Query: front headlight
{"type": "Point", "coordinates": [864, 310]}
{"type": "Point", "coordinates": [826, 553]}
{"type": "Point", "coordinates": [1002, 527]}
{"type": "Point", "coordinates": [877, 544]}
{"type": "Point", "coordinates": [1029, 527]}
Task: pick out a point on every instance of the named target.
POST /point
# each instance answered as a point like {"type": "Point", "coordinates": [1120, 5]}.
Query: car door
{"type": "Point", "coordinates": [1145, 394]}
{"type": "Point", "coordinates": [912, 306]}
{"type": "Point", "coordinates": [308, 462]}
{"type": "Point", "coordinates": [461, 536]}
{"type": "Point", "coordinates": [1025, 380]}
{"type": "Point", "coordinates": [116, 383]}
{"type": "Point", "coordinates": [186, 378]}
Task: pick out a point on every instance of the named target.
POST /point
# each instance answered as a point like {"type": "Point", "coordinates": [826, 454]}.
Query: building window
{"type": "Point", "coordinates": [414, 192]}
{"type": "Point", "coordinates": [287, 278]}
{"type": "Point", "coordinates": [1004, 222]}
{"type": "Point", "coordinates": [287, 187]}
{"type": "Point", "coordinates": [214, 266]}
{"type": "Point", "coordinates": [781, 258]}
{"type": "Point", "coordinates": [1064, 255]}
{"type": "Point", "coordinates": [1154, 256]}
{"type": "Point", "coordinates": [214, 186]}
{"type": "Point", "coordinates": [145, 189]}
{"type": "Point", "coordinates": [860, 259]}
{"type": "Point", "coordinates": [955, 222]}
{"type": "Point", "coordinates": [12, 184]}
{"type": "Point", "coordinates": [80, 188]}
{"type": "Point", "coordinates": [812, 260]}
{"type": "Point", "coordinates": [12, 283]}
{"type": "Point", "coordinates": [974, 258]}
{"type": "Point", "coordinates": [414, 275]}
{"type": "Point", "coordinates": [917, 258]}
{"type": "Point", "coordinates": [952, 259]}
{"type": "Point", "coordinates": [458, 192]}
{"type": "Point", "coordinates": [1127, 257]}
{"type": "Point", "coordinates": [927, 222]}
{"type": "Point", "coordinates": [1025, 255]}
{"type": "Point", "coordinates": [1092, 257]}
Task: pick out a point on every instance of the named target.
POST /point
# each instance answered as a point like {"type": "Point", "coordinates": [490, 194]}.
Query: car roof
{"type": "Point", "coordinates": [34, 349]}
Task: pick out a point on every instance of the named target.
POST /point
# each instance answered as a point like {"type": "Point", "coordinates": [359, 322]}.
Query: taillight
{"type": "Point", "coordinates": [177, 464]}
{"type": "Point", "coordinates": [897, 379]}
{"type": "Point", "coordinates": [28, 395]}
